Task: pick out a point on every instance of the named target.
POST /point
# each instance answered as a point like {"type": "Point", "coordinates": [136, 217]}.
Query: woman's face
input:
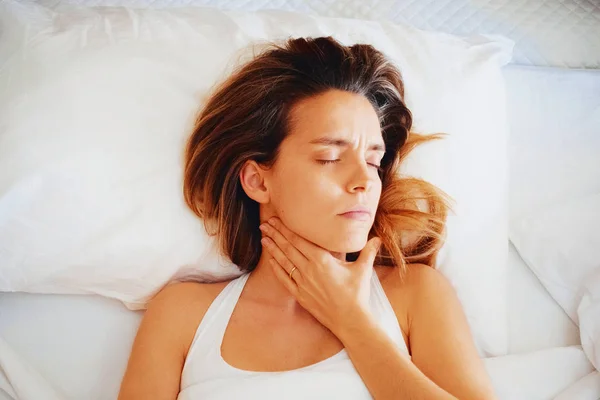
{"type": "Point", "coordinates": [325, 184]}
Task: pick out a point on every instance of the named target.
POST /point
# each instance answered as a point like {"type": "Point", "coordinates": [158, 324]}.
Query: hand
{"type": "Point", "coordinates": [335, 292]}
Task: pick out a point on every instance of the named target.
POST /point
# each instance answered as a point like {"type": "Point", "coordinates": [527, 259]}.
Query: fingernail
{"type": "Point", "coordinates": [262, 227]}
{"type": "Point", "coordinates": [265, 241]}
{"type": "Point", "coordinates": [272, 220]}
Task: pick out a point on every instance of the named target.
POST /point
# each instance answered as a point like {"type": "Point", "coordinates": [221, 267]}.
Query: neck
{"type": "Point", "coordinates": [267, 287]}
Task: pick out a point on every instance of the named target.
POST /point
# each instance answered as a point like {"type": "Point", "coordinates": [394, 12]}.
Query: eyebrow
{"type": "Point", "coordinates": [328, 141]}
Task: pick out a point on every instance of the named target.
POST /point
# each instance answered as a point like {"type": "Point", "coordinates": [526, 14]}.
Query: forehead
{"type": "Point", "coordinates": [334, 113]}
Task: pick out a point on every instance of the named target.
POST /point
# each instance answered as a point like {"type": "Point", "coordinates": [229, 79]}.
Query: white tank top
{"type": "Point", "coordinates": [206, 375]}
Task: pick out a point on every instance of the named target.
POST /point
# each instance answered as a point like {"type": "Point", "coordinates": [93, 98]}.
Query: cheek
{"type": "Point", "coordinates": [307, 200]}
{"type": "Point", "coordinates": [301, 197]}
{"type": "Point", "coordinates": [300, 194]}
{"type": "Point", "coordinates": [377, 189]}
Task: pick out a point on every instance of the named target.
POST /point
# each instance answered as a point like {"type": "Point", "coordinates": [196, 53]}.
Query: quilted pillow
{"type": "Point", "coordinates": [96, 105]}
{"type": "Point", "coordinates": [551, 33]}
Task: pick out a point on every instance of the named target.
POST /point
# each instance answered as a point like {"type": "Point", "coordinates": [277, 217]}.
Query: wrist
{"type": "Point", "coordinates": [353, 327]}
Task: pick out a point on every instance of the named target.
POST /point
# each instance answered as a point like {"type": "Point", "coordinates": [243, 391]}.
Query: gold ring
{"type": "Point", "coordinates": [292, 271]}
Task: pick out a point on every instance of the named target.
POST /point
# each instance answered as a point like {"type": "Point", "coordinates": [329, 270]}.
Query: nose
{"type": "Point", "coordinates": [361, 180]}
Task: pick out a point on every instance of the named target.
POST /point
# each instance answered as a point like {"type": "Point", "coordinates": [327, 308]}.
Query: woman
{"type": "Point", "coordinates": [291, 165]}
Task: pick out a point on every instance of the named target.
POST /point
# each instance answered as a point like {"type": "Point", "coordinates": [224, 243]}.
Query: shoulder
{"type": "Point", "coordinates": [423, 281]}
{"type": "Point", "coordinates": [163, 339]}
{"type": "Point", "coordinates": [177, 310]}
{"type": "Point", "coordinates": [418, 283]}
{"type": "Point", "coordinates": [413, 292]}
{"type": "Point", "coordinates": [186, 294]}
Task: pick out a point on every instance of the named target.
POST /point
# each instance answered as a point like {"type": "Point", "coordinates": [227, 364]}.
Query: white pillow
{"type": "Point", "coordinates": [561, 245]}
{"type": "Point", "coordinates": [552, 160]}
{"type": "Point", "coordinates": [96, 106]}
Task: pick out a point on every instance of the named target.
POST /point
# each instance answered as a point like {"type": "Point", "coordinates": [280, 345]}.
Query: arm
{"type": "Point", "coordinates": [445, 363]}
{"type": "Point", "coordinates": [441, 340]}
{"type": "Point", "coordinates": [161, 344]}
{"type": "Point", "coordinates": [385, 370]}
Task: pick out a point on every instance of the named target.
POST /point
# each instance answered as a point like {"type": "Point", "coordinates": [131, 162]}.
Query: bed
{"type": "Point", "coordinates": [76, 346]}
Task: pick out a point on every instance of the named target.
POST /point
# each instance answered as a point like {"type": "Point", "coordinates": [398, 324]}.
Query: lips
{"type": "Point", "coordinates": [360, 213]}
{"type": "Point", "coordinates": [357, 215]}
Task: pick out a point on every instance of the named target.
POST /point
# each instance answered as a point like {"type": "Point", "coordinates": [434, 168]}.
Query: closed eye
{"type": "Point", "coordinates": [328, 161]}
{"type": "Point", "coordinates": [324, 162]}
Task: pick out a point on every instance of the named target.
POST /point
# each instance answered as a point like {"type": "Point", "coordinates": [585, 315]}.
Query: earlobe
{"type": "Point", "coordinates": [252, 178]}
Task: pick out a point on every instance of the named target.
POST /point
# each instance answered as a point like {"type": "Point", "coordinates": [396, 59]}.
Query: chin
{"type": "Point", "coordinates": [351, 244]}
{"type": "Point", "coordinates": [341, 238]}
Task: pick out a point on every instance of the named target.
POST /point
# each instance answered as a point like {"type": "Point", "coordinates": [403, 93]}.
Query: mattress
{"type": "Point", "coordinates": [563, 33]}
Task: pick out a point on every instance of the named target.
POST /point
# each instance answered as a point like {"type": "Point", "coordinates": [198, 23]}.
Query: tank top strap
{"type": "Point", "coordinates": [212, 328]}
{"type": "Point", "coordinates": [381, 306]}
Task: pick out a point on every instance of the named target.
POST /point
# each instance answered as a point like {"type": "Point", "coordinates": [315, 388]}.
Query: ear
{"type": "Point", "coordinates": [252, 178]}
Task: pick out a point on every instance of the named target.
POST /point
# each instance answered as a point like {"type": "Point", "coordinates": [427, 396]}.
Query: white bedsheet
{"type": "Point", "coordinates": [539, 375]}
{"type": "Point", "coordinates": [533, 376]}
{"type": "Point", "coordinates": [587, 388]}
{"type": "Point", "coordinates": [19, 380]}
{"type": "Point", "coordinates": [535, 320]}
{"type": "Point", "coordinates": [79, 344]}
{"type": "Point", "coordinates": [589, 318]}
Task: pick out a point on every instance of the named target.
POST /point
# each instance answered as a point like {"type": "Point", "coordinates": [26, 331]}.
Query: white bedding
{"type": "Point", "coordinates": [85, 178]}
{"type": "Point", "coordinates": [80, 344]}
{"type": "Point", "coordinates": [535, 320]}
{"type": "Point", "coordinates": [555, 136]}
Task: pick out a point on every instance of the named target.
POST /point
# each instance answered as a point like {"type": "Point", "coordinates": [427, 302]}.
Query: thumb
{"type": "Point", "coordinates": [368, 254]}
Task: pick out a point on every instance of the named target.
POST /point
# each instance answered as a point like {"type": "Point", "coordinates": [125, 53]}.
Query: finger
{"type": "Point", "coordinates": [368, 254]}
{"type": "Point", "coordinates": [286, 246]}
{"type": "Point", "coordinates": [308, 249]}
{"type": "Point", "coordinates": [284, 278]}
{"type": "Point", "coordinates": [281, 258]}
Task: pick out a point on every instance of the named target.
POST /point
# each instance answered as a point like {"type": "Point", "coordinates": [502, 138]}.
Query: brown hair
{"type": "Point", "coordinates": [247, 117]}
